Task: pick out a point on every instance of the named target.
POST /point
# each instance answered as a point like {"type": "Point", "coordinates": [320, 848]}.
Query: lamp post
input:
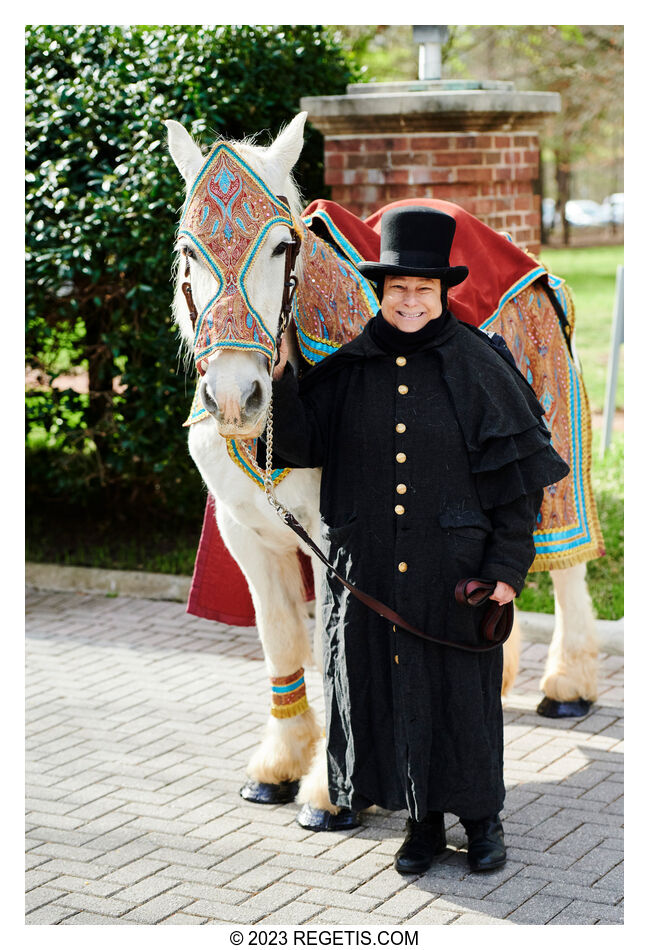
{"type": "Point", "coordinates": [431, 40]}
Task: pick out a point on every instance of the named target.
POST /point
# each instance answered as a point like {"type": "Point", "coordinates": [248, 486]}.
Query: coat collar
{"type": "Point", "coordinates": [364, 347]}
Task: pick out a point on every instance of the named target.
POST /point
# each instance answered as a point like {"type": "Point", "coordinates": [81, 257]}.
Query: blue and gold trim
{"type": "Point", "coordinates": [288, 695]}
{"type": "Point", "coordinates": [515, 289]}
{"type": "Point", "coordinates": [559, 542]}
{"type": "Point", "coordinates": [243, 452]}
{"type": "Point", "coordinates": [228, 150]}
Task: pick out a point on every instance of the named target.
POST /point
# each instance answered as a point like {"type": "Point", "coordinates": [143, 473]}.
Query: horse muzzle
{"type": "Point", "coordinates": [235, 398]}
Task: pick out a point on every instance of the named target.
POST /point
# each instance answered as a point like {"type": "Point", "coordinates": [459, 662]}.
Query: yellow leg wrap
{"type": "Point", "coordinates": [288, 695]}
{"type": "Point", "coordinates": [286, 712]}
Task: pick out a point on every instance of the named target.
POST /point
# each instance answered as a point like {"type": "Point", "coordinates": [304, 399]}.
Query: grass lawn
{"type": "Point", "coordinates": [590, 274]}
{"type": "Point", "coordinates": [605, 574]}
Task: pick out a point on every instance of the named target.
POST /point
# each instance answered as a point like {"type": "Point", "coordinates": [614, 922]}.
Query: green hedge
{"type": "Point", "coordinates": [102, 203]}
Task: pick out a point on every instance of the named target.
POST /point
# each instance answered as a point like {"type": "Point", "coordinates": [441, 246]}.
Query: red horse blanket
{"type": "Point", "coordinates": [498, 271]}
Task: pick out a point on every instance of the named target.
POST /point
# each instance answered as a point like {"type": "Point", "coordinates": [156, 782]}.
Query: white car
{"type": "Point", "coordinates": [583, 213]}
{"type": "Point", "coordinates": [614, 208]}
{"type": "Point", "coordinates": [548, 211]}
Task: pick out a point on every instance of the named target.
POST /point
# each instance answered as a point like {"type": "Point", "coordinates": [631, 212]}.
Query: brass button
{"type": "Point", "coordinates": [403, 567]}
{"type": "Point", "coordinates": [399, 509]}
{"type": "Point", "coordinates": [401, 457]}
{"type": "Point", "coordinates": [396, 659]}
{"type": "Point", "coordinates": [403, 390]}
{"type": "Point", "coordinates": [400, 427]}
{"type": "Point", "coordinates": [401, 361]}
{"type": "Point", "coordinates": [401, 489]}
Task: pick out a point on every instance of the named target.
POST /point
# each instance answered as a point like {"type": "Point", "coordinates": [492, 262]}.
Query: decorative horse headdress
{"type": "Point", "coordinates": [227, 216]}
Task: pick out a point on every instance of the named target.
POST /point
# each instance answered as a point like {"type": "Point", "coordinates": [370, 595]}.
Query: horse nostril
{"type": "Point", "coordinates": [254, 400]}
{"type": "Point", "coordinates": [208, 400]}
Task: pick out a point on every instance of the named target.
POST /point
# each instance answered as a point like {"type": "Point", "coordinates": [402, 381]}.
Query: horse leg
{"type": "Point", "coordinates": [511, 654]}
{"type": "Point", "coordinates": [570, 678]}
{"type": "Point", "coordinates": [275, 582]}
{"type": "Point", "coordinates": [314, 787]}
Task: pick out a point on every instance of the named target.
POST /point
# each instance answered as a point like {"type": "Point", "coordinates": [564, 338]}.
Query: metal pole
{"type": "Point", "coordinates": [617, 338]}
{"type": "Point", "coordinates": [430, 61]}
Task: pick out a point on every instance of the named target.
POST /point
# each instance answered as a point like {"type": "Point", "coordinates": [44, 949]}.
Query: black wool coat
{"type": "Point", "coordinates": [433, 466]}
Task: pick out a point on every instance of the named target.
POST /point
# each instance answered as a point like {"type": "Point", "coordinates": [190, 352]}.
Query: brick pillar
{"type": "Point", "coordinates": [484, 158]}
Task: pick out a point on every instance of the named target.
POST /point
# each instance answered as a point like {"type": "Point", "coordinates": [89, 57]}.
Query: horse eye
{"type": "Point", "coordinates": [187, 252]}
{"type": "Point", "coordinates": [281, 248]}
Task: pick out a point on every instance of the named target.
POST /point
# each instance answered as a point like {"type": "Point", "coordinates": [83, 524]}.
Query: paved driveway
{"type": "Point", "coordinates": [140, 722]}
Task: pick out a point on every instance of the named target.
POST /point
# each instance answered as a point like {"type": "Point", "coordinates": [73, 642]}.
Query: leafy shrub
{"type": "Point", "coordinates": [102, 203]}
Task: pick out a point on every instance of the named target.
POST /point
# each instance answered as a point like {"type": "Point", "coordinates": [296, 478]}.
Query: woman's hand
{"type": "Point", "coordinates": [503, 593]}
{"type": "Point", "coordinates": [278, 371]}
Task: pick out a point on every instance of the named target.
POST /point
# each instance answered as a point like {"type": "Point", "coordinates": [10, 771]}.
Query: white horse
{"type": "Point", "coordinates": [235, 390]}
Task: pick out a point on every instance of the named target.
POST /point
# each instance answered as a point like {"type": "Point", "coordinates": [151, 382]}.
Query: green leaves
{"type": "Point", "coordinates": [102, 204]}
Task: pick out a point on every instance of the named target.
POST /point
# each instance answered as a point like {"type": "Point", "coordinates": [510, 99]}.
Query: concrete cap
{"type": "Point", "coordinates": [428, 109]}
{"type": "Point", "coordinates": [423, 85]}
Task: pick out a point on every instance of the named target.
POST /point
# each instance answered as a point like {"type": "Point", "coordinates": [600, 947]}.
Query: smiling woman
{"type": "Point", "coordinates": [414, 272]}
{"type": "Point", "coordinates": [433, 458]}
{"type": "Point", "coordinates": [408, 303]}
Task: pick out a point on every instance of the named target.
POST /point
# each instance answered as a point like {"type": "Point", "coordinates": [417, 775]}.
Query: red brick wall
{"type": "Point", "coordinates": [493, 175]}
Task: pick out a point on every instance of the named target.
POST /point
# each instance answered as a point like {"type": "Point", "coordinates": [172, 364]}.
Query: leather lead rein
{"type": "Point", "coordinates": [497, 623]}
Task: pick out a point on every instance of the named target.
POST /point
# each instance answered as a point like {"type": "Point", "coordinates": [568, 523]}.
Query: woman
{"type": "Point", "coordinates": [434, 457]}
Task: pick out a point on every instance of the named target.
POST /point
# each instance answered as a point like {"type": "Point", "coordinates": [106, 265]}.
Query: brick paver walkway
{"type": "Point", "coordinates": [140, 722]}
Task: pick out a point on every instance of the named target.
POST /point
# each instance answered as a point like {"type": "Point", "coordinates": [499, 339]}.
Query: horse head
{"type": "Point", "coordinates": [239, 222]}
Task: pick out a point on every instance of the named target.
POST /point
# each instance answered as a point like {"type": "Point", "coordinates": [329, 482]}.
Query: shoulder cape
{"type": "Point", "coordinates": [501, 419]}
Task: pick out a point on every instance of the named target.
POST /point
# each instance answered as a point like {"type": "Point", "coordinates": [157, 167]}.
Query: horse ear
{"type": "Point", "coordinates": [286, 148]}
{"type": "Point", "coordinates": [184, 151]}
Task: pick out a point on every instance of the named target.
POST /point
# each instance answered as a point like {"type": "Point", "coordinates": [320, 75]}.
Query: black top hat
{"type": "Point", "coordinates": [416, 242]}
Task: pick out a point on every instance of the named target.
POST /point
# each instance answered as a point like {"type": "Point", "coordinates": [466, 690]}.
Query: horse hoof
{"type": "Point", "coordinates": [555, 709]}
{"type": "Point", "coordinates": [314, 819]}
{"type": "Point", "coordinates": [266, 793]}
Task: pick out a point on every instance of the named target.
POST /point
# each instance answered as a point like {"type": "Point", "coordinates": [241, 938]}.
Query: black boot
{"type": "Point", "coordinates": [486, 843]}
{"type": "Point", "coordinates": [424, 839]}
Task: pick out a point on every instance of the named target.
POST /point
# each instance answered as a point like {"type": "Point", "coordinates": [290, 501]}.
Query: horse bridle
{"type": "Point", "coordinates": [288, 291]}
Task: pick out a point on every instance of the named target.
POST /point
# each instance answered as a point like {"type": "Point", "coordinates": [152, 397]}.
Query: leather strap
{"type": "Point", "coordinates": [498, 620]}
{"type": "Point", "coordinates": [496, 626]}
{"type": "Point", "coordinates": [290, 283]}
{"type": "Point", "coordinates": [186, 288]}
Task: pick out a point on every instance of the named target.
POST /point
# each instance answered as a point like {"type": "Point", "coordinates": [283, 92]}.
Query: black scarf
{"type": "Point", "coordinates": [393, 340]}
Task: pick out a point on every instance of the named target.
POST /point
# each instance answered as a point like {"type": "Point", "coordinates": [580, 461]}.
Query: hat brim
{"type": "Point", "coordinates": [448, 275]}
